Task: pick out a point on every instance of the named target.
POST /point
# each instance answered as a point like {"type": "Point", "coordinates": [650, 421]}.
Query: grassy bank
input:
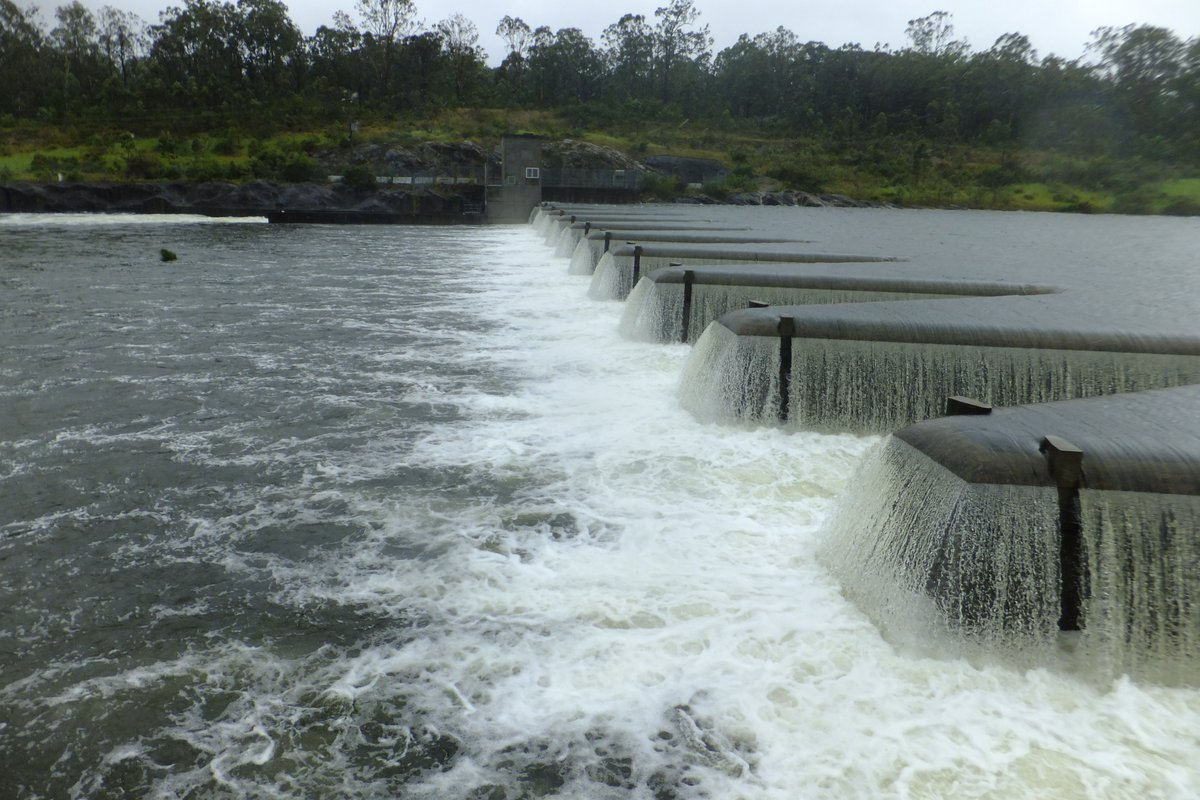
{"type": "Point", "coordinates": [888, 169]}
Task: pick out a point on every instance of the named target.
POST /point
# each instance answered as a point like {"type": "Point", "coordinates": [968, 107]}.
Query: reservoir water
{"type": "Point", "coordinates": [379, 512]}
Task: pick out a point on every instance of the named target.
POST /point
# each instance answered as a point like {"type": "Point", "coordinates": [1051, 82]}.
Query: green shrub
{"type": "Point", "coordinates": [1001, 175]}
{"type": "Point", "coordinates": [143, 166]}
{"type": "Point", "coordinates": [1183, 207]}
{"type": "Point", "coordinates": [237, 171]}
{"type": "Point", "coordinates": [359, 176]}
{"type": "Point", "coordinates": [805, 176]}
{"type": "Point", "coordinates": [227, 145]}
{"type": "Point", "coordinates": [203, 169]}
{"type": "Point", "coordinates": [1138, 201]}
{"type": "Point", "coordinates": [267, 163]}
{"type": "Point", "coordinates": [167, 145]}
{"type": "Point", "coordinates": [740, 180]}
{"type": "Point", "coordinates": [300, 168]}
{"type": "Point", "coordinates": [661, 187]}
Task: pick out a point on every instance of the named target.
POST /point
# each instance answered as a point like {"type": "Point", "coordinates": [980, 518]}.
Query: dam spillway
{"type": "Point", "coordinates": [621, 268]}
{"type": "Point", "coordinates": [677, 303]}
{"type": "Point", "coordinates": [1078, 515]}
{"type": "Point", "coordinates": [877, 342]}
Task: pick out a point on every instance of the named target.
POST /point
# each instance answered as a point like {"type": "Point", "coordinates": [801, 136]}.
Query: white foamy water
{"type": "Point", "coordinates": [590, 594]}
{"type": "Point", "coordinates": [652, 599]}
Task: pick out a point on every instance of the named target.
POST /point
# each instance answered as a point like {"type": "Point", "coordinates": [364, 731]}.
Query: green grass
{"type": "Point", "coordinates": [883, 169]}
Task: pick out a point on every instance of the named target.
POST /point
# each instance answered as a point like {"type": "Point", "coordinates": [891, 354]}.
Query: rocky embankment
{"type": "Point", "coordinates": [785, 198]}
{"type": "Point", "coordinates": [465, 160]}
{"type": "Point", "coordinates": [220, 199]}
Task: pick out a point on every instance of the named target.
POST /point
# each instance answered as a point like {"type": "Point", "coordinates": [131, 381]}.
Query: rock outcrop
{"type": "Point", "coordinates": [574, 154]}
{"type": "Point", "coordinates": [216, 199]}
{"type": "Point", "coordinates": [689, 170]}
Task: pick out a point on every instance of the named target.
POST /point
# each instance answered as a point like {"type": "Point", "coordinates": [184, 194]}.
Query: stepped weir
{"type": "Point", "coordinates": [620, 269]}
{"type": "Point", "coordinates": [1041, 467]}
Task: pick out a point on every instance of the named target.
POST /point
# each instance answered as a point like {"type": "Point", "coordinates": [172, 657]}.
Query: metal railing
{"type": "Point", "coordinates": [556, 177]}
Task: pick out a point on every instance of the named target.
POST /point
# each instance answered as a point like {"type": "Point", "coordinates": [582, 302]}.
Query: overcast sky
{"type": "Point", "coordinates": [1061, 27]}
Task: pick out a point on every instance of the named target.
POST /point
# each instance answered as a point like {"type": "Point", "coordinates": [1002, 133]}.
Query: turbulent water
{"type": "Point", "coordinates": [396, 512]}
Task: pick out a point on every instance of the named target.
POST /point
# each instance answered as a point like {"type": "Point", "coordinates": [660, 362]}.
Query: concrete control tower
{"type": "Point", "coordinates": [519, 189]}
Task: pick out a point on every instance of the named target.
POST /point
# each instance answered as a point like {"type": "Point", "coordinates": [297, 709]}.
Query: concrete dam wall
{"type": "Point", "coordinates": [1061, 494]}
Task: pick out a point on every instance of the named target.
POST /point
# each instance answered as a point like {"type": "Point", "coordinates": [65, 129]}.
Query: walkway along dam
{"type": "Point", "coordinates": [1038, 484]}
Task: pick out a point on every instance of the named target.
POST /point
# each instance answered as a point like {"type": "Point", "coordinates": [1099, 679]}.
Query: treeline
{"type": "Point", "coordinates": [1137, 94]}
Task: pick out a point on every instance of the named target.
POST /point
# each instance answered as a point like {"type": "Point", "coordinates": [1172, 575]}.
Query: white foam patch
{"type": "Point", "coordinates": [652, 566]}
{"type": "Point", "coordinates": [605, 579]}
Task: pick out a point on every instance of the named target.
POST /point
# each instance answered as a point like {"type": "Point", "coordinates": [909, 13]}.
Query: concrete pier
{"type": "Point", "coordinates": [1062, 492]}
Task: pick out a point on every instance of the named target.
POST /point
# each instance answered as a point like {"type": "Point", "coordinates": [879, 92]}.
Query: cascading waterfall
{"type": "Point", "coordinates": [883, 386]}
{"type": "Point", "coordinates": [730, 376]}
{"type": "Point", "coordinates": [554, 227]}
{"type": "Point", "coordinates": [618, 280]}
{"type": "Point", "coordinates": [945, 566]}
{"type": "Point", "coordinates": [583, 259]}
{"type": "Point", "coordinates": [654, 311]}
{"type": "Point", "coordinates": [544, 223]}
{"type": "Point", "coordinates": [934, 560]}
{"type": "Point", "coordinates": [605, 280]}
{"type": "Point", "coordinates": [1143, 565]}
{"type": "Point", "coordinates": [555, 233]}
{"type": "Point", "coordinates": [871, 386]}
{"type": "Point", "coordinates": [566, 242]}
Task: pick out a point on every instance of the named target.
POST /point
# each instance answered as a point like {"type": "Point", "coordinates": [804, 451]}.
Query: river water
{"type": "Point", "coordinates": [386, 512]}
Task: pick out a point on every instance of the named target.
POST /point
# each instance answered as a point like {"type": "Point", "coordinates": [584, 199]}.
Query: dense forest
{"type": "Point", "coordinates": [1124, 111]}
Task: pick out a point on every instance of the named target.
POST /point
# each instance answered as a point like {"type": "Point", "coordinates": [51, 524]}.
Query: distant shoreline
{"type": "Point", "coordinates": [310, 202]}
{"type": "Point", "coordinates": [216, 199]}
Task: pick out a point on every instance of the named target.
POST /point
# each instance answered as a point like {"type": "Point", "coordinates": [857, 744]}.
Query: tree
{"type": "Point", "coordinates": [460, 43]}
{"type": "Point", "coordinates": [629, 51]}
{"type": "Point", "coordinates": [23, 68]}
{"type": "Point", "coordinates": [517, 36]}
{"type": "Point", "coordinates": [123, 39]}
{"type": "Point", "coordinates": [677, 40]}
{"type": "Point", "coordinates": [564, 67]}
{"type": "Point", "coordinates": [386, 24]}
{"type": "Point", "coordinates": [1014, 48]}
{"type": "Point", "coordinates": [1144, 62]}
{"type": "Point", "coordinates": [76, 37]}
{"type": "Point", "coordinates": [336, 58]}
{"type": "Point", "coordinates": [270, 43]}
{"type": "Point", "coordinates": [197, 53]}
{"type": "Point", "coordinates": [766, 76]}
{"type": "Point", "coordinates": [934, 36]}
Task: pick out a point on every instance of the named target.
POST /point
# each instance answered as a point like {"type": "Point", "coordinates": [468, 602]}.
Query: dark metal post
{"type": "Point", "coordinates": [689, 277]}
{"type": "Point", "coordinates": [637, 264]}
{"type": "Point", "coordinates": [607, 240]}
{"type": "Point", "coordinates": [1065, 462]}
{"type": "Point", "coordinates": [587, 228]}
{"type": "Point", "coordinates": [786, 330]}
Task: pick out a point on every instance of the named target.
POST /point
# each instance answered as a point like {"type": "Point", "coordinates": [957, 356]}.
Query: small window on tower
{"type": "Point", "coordinates": [532, 173]}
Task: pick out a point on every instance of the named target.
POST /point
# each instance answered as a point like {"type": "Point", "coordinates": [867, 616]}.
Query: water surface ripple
{"type": "Point", "coordinates": [395, 512]}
